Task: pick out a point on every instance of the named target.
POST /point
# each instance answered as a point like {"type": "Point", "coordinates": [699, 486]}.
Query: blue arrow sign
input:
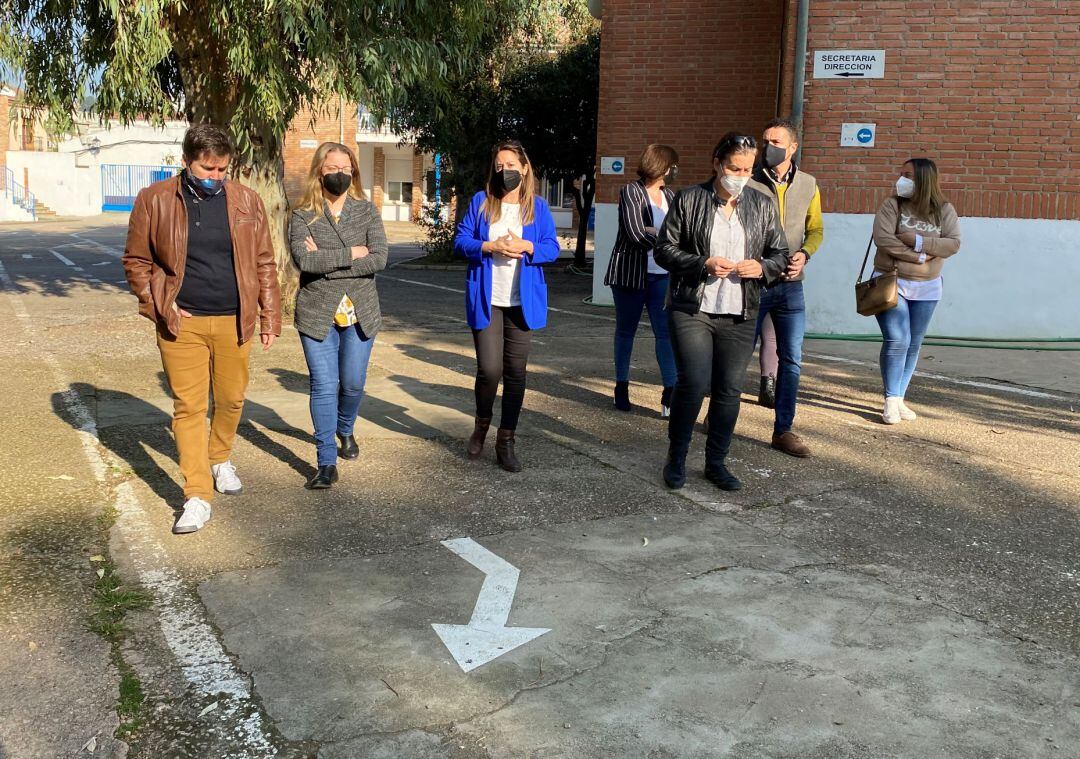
{"type": "Point", "coordinates": [864, 135]}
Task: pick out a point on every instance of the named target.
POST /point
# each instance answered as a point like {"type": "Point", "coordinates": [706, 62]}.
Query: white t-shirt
{"type": "Point", "coordinates": [658, 214]}
{"type": "Point", "coordinates": [506, 272]}
{"type": "Point", "coordinates": [728, 240]}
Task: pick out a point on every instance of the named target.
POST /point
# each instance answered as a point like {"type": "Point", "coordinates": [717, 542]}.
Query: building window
{"type": "Point", "coordinates": [399, 192]}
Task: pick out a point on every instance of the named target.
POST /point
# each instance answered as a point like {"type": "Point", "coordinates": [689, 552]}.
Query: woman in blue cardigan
{"type": "Point", "coordinates": [507, 234]}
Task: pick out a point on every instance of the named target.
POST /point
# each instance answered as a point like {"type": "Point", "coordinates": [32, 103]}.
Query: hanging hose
{"type": "Point", "coordinates": [949, 341]}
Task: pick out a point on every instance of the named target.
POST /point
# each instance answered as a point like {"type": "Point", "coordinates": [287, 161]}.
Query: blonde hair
{"type": "Point", "coordinates": [526, 190]}
{"type": "Point", "coordinates": [312, 199]}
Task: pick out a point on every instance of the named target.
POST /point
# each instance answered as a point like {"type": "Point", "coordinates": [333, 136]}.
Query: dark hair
{"type": "Point", "coordinates": [206, 138]}
{"type": "Point", "coordinates": [655, 160]}
{"type": "Point", "coordinates": [787, 124]}
{"type": "Point", "coordinates": [928, 200]}
{"type": "Point", "coordinates": [732, 143]}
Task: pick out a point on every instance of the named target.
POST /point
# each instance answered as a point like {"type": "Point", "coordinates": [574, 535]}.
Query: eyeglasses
{"type": "Point", "coordinates": [738, 142]}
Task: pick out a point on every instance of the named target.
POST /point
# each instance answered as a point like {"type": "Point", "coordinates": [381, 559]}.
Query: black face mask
{"type": "Point", "coordinates": [672, 175]}
{"type": "Point", "coordinates": [774, 156]}
{"type": "Point", "coordinates": [506, 180]}
{"type": "Point", "coordinates": [338, 183]}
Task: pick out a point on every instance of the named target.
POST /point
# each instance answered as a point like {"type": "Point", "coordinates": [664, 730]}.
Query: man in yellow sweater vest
{"type": "Point", "coordinates": [782, 314]}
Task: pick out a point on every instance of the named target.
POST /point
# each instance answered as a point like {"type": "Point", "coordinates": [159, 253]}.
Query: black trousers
{"type": "Point", "coordinates": [502, 353]}
{"type": "Point", "coordinates": [711, 353]}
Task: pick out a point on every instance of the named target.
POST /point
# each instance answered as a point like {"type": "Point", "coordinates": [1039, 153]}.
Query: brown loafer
{"type": "Point", "coordinates": [791, 444]}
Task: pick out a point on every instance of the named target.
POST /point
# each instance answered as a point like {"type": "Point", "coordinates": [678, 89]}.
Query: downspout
{"type": "Point", "coordinates": [596, 8]}
{"type": "Point", "coordinates": [799, 88]}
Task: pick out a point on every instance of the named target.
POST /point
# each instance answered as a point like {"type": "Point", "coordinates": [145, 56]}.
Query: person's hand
{"type": "Point", "coordinates": [359, 251]}
{"type": "Point", "coordinates": [795, 265]}
{"type": "Point", "coordinates": [908, 238]}
{"type": "Point", "coordinates": [719, 267]}
{"type": "Point", "coordinates": [310, 245]}
{"type": "Point", "coordinates": [182, 312]}
{"type": "Point", "coordinates": [749, 269]}
{"type": "Point", "coordinates": [501, 247]}
{"type": "Point", "coordinates": [267, 340]}
{"type": "Point", "coordinates": [516, 244]}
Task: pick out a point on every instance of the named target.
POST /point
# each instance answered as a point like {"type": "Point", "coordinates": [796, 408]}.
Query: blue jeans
{"type": "Point", "coordinates": [338, 369]}
{"type": "Point", "coordinates": [628, 305]}
{"type": "Point", "coordinates": [784, 302]}
{"type": "Point", "coordinates": [903, 329]}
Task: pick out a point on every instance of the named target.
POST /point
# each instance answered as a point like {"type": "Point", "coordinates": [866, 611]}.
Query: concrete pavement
{"type": "Point", "coordinates": [910, 591]}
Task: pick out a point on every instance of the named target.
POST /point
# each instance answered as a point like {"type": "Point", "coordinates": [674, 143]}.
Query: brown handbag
{"type": "Point", "coordinates": [876, 294]}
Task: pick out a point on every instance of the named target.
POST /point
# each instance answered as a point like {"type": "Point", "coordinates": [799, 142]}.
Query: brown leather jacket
{"type": "Point", "coordinates": [156, 252]}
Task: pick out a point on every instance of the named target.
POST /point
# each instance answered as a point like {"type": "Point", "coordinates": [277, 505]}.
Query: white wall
{"type": "Point", "coordinates": [11, 212]}
{"type": "Point", "coordinates": [607, 225]}
{"type": "Point", "coordinates": [58, 182]}
{"type": "Point", "coordinates": [1002, 283]}
{"type": "Point", "coordinates": [69, 181]}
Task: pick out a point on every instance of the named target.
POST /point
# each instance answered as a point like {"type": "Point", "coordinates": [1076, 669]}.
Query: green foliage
{"type": "Point", "coordinates": [250, 64]}
{"type": "Point", "coordinates": [438, 237]}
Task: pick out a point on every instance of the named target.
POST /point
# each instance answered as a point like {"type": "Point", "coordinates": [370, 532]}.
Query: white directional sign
{"type": "Point", "coordinates": [857, 135]}
{"type": "Point", "coordinates": [849, 64]}
{"type": "Point", "coordinates": [612, 165]}
{"type": "Point", "coordinates": [486, 637]}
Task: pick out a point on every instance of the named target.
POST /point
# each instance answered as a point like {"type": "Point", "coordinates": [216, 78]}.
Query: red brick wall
{"type": "Point", "coordinates": [327, 127]}
{"type": "Point", "coordinates": [378, 180]}
{"type": "Point", "coordinates": [418, 185]}
{"type": "Point", "coordinates": [5, 129]}
{"type": "Point", "coordinates": [683, 72]}
{"type": "Point", "coordinates": [990, 89]}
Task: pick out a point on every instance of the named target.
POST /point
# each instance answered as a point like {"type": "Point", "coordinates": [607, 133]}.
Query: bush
{"type": "Point", "coordinates": [439, 239]}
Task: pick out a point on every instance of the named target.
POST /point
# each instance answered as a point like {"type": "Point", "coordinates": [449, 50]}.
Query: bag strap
{"type": "Point", "coordinates": [864, 260]}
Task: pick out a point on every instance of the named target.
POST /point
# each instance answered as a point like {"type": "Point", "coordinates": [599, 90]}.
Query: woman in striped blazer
{"type": "Point", "coordinates": [635, 280]}
{"type": "Point", "coordinates": [337, 242]}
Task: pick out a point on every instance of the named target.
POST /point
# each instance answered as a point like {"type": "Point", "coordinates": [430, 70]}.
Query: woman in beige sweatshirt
{"type": "Point", "coordinates": [914, 231]}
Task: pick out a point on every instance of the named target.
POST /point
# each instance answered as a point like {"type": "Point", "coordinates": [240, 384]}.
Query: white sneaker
{"type": "Point", "coordinates": [225, 479]}
{"type": "Point", "coordinates": [905, 413]}
{"type": "Point", "coordinates": [891, 414]}
{"type": "Point", "coordinates": [196, 514]}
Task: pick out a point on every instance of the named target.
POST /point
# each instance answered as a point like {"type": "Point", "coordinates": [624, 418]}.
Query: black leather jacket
{"type": "Point", "coordinates": [683, 244]}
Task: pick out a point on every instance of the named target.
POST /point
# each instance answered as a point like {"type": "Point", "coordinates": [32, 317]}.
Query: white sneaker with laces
{"type": "Point", "coordinates": [196, 514]}
{"type": "Point", "coordinates": [907, 414]}
{"type": "Point", "coordinates": [891, 413]}
{"type": "Point", "coordinates": [225, 479]}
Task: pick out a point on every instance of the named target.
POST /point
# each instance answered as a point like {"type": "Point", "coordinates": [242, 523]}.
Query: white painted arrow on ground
{"type": "Point", "coordinates": [486, 637]}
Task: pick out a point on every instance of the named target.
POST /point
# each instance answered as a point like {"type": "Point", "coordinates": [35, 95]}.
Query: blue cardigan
{"type": "Point", "coordinates": [472, 233]}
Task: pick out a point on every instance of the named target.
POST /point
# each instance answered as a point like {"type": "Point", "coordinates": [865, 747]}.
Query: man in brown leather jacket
{"type": "Point", "coordinates": [200, 260]}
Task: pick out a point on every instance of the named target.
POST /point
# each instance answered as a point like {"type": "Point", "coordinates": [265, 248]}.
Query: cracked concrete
{"type": "Point", "coordinates": [706, 640]}
{"type": "Point", "coordinates": [906, 592]}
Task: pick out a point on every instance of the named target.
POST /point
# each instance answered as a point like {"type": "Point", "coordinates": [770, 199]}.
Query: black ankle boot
{"type": "Point", "coordinates": [622, 396]}
{"type": "Point", "coordinates": [719, 475]}
{"type": "Point", "coordinates": [504, 450]}
{"type": "Point", "coordinates": [675, 469]}
{"type": "Point", "coordinates": [324, 478]}
{"type": "Point", "coordinates": [347, 447]}
{"type": "Point", "coordinates": [767, 392]}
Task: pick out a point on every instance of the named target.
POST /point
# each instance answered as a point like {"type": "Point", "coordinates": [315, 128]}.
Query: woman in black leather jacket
{"type": "Point", "coordinates": [720, 241]}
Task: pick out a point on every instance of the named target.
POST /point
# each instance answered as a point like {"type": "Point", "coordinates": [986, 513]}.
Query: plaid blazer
{"type": "Point", "coordinates": [329, 273]}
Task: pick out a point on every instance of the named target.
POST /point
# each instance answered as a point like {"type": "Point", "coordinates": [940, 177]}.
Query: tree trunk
{"type": "Point", "coordinates": [583, 200]}
{"type": "Point", "coordinates": [258, 162]}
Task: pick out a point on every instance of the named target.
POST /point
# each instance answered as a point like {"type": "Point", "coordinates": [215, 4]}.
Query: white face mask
{"type": "Point", "coordinates": [905, 188]}
{"type": "Point", "coordinates": [732, 184]}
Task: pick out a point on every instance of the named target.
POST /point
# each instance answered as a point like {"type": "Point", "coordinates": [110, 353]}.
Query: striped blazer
{"type": "Point", "coordinates": [637, 236]}
{"type": "Point", "coordinates": [330, 272]}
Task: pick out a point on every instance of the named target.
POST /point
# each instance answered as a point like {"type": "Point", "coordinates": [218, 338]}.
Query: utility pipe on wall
{"type": "Point", "coordinates": [799, 90]}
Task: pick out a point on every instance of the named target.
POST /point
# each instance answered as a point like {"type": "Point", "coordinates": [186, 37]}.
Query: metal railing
{"type": "Point", "coordinates": [18, 194]}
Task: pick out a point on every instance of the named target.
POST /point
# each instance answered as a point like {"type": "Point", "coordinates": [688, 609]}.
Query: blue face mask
{"type": "Point", "coordinates": [209, 185]}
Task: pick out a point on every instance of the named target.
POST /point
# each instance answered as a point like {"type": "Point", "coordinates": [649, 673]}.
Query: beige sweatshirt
{"type": "Point", "coordinates": [939, 241]}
